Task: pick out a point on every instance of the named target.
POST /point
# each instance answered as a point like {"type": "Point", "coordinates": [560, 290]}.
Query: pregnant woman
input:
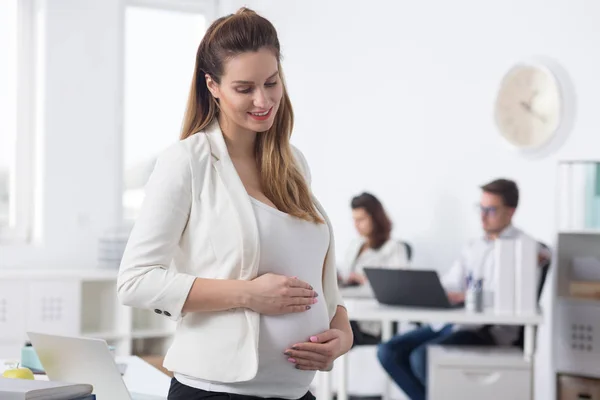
{"type": "Point", "coordinates": [230, 241]}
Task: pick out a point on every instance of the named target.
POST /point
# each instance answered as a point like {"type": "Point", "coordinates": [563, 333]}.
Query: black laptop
{"type": "Point", "coordinates": [408, 287]}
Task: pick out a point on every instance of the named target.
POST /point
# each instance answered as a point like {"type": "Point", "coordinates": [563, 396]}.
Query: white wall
{"type": "Point", "coordinates": [397, 98]}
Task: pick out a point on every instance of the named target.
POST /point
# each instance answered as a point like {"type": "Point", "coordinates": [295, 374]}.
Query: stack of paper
{"type": "Point", "coordinates": [578, 192]}
{"type": "Point", "coordinates": [25, 389]}
{"type": "Point", "coordinates": [504, 275]}
{"type": "Point", "coordinates": [515, 275]}
{"type": "Point", "coordinates": [526, 273]}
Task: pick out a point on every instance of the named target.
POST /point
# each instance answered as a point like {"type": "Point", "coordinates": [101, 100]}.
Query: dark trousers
{"type": "Point", "coordinates": [179, 391]}
{"type": "Point", "coordinates": [404, 357]}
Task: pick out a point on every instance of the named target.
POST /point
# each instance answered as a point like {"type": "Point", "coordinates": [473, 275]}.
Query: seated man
{"type": "Point", "coordinates": [404, 357]}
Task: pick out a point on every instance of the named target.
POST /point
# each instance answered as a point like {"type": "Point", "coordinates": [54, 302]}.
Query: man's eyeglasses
{"type": "Point", "coordinates": [487, 211]}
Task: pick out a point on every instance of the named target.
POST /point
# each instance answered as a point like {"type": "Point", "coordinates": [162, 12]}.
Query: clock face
{"type": "Point", "coordinates": [528, 106]}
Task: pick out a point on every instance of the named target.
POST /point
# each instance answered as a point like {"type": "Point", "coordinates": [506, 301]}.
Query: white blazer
{"type": "Point", "coordinates": [197, 221]}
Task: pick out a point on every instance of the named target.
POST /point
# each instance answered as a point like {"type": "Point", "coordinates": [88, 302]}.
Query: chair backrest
{"type": "Point", "coordinates": [543, 272]}
{"type": "Point", "coordinates": [409, 255]}
{"type": "Point", "coordinates": [409, 250]}
{"type": "Point", "coordinates": [541, 281]}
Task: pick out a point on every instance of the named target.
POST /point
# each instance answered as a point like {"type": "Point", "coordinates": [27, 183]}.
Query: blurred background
{"type": "Point", "coordinates": [393, 97]}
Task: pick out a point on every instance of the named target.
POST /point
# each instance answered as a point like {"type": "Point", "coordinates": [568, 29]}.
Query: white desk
{"type": "Point", "coordinates": [140, 377]}
{"type": "Point", "coordinates": [364, 309]}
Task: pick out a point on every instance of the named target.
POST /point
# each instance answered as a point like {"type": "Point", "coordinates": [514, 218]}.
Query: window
{"type": "Point", "coordinates": [8, 104]}
{"type": "Point", "coordinates": [16, 82]}
{"type": "Point", "coordinates": [161, 39]}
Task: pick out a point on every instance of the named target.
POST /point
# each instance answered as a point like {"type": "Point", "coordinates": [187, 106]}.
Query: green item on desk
{"type": "Point", "coordinates": [597, 179]}
{"type": "Point", "coordinates": [30, 359]}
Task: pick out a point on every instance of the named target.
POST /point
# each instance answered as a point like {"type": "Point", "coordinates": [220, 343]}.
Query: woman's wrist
{"type": "Point", "coordinates": [347, 341]}
{"type": "Point", "coordinates": [244, 294]}
{"type": "Point", "coordinates": [341, 323]}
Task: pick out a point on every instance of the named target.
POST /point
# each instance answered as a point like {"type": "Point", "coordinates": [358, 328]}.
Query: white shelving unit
{"type": "Point", "coordinates": [76, 303]}
{"type": "Point", "coordinates": [576, 328]}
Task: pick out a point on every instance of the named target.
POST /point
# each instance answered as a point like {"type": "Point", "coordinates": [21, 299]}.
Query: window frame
{"type": "Point", "coordinates": [209, 8]}
{"type": "Point", "coordinates": [21, 175]}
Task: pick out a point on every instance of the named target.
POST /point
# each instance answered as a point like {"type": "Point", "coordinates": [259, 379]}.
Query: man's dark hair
{"type": "Point", "coordinates": [506, 189]}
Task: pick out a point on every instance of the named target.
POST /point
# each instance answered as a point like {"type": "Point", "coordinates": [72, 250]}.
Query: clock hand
{"type": "Point", "coordinates": [533, 97]}
{"type": "Point", "coordinates": [538, 116]}
{"type": "Point", "coordinates": [527, 107]}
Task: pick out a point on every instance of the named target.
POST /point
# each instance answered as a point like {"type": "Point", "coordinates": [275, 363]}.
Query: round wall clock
{"type": "Point", "coordinates": [530, 107]}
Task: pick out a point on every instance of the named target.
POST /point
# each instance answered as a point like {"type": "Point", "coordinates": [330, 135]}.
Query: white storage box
{"type": "Point", "coordinates": [475, 373]}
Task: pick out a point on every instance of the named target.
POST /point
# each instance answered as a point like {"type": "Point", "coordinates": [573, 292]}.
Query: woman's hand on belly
{"type": "Point", "coordinates": [273, 294]}
{"type": "Point", "coordinates": [320, 352]}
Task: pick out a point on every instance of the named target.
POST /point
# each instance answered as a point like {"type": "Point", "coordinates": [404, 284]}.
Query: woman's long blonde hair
{"type": "Point", "coordinates": [281, 180]}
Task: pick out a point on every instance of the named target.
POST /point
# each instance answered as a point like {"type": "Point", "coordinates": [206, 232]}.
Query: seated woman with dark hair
{"type": "Point", "coordinates": [373, 248]}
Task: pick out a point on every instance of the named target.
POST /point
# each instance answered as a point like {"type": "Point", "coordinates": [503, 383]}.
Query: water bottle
{"type": "Point", "coordinates": [474, 295]}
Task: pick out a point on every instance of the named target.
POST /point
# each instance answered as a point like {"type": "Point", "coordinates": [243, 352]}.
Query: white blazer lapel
{"type": "Point", "coordinates": [240, 200]}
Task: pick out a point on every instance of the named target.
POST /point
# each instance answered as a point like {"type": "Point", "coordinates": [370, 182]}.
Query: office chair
{"type": "Point", "coordinates": [409, 254]}
{"type": "Point", "coordinates": [409, 250]}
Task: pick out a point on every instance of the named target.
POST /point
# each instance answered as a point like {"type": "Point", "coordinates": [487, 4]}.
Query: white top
{"type": "Point", "coordinates": [477, 259]}
{"type": "Point", "coordinates": [290, 247]}
{"type": "Point", "coordinates": [392, 254]}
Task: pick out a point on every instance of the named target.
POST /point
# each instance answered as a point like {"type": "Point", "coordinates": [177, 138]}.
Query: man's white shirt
{"type": "Point", "coordinates": [477, 260]}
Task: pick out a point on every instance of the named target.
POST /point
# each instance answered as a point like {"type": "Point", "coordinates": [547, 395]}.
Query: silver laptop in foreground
{"type": "Point", "coordinates": [83, 360]}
